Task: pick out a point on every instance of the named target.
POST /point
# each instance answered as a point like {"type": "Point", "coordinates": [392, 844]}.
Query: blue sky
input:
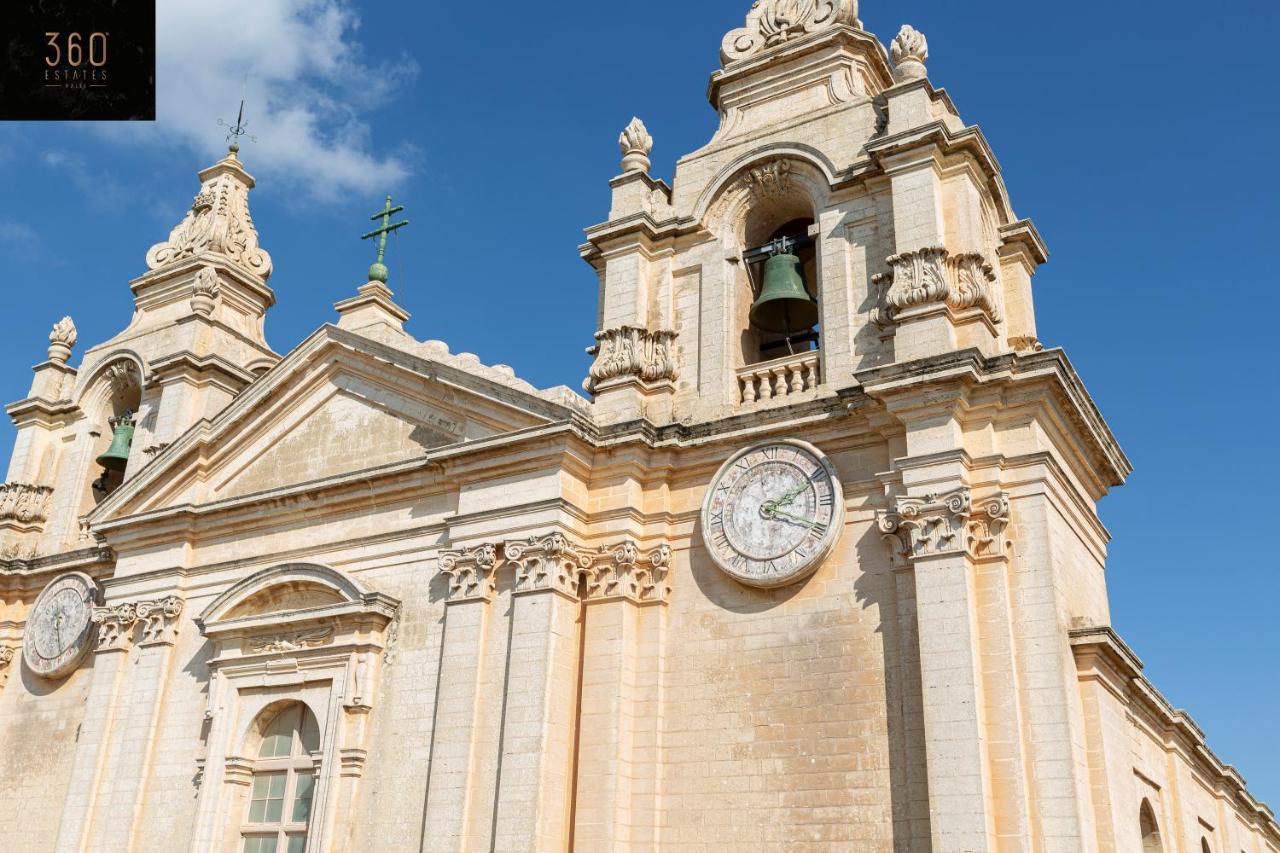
{"type": "Point", "coordinates": [1141, 141]}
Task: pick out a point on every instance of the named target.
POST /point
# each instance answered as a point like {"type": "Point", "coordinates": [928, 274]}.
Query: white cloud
{"type": "Point", "coordinates": [18, 237]}
{"type": "Point", "coordinates": [309, 85]}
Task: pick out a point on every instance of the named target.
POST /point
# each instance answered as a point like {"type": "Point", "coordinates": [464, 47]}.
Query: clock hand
{"type": "Point", "coordinates": [774, 512]}
{"type": "Point", "coordinates": [791, 495]}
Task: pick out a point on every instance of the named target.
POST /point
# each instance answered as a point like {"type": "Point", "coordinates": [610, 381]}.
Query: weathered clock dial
{"type": "Point", "coordinates": [60, 630]}
{"type": "Point", "coordinates": [773, 513]}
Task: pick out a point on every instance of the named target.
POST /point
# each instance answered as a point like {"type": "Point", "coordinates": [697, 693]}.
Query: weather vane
{"type": "Point", "coordinates": [378, 272]}
{"type": "Point", "coordinates": [239, 129]}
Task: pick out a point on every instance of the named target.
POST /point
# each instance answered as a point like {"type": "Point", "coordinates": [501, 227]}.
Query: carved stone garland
{"type": "Point", "coordinates": [219, 223]}
{"type": "Point", "coordinates": [935, 276]}
{"type": "Point", "coordinates": [774, 22]}
{"type": "Point", "coordinates": [945, 524]}
{"type": "Point", "coordinates": [630, 351]}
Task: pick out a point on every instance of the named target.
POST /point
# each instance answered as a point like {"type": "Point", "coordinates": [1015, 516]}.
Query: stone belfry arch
{"type": "Point", "coordinates": [195, 340]}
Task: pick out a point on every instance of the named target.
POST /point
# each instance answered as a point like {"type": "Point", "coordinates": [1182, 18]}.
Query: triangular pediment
{"type": "Point", "coordinates": [339, 404]}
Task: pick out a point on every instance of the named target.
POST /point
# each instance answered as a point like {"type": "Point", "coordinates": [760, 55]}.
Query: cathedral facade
{"type": "Point", "coordinates": [812, 564]}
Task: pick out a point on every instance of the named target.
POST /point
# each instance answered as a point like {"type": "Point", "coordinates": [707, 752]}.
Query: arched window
{"type": "Point", "coordinates": [283, 783]}
{"type": "Point", "coordinates": [1150, 829]}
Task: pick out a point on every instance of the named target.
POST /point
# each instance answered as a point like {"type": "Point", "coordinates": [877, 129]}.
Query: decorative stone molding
{"type": "Point", "coordinates": [218, 223]}
{"type": "Point", "coordinates": [7, 654]}
{"type": "Point", "coordinates": [775, 22]}
{"type": "Point", "coordinates": [636, 143]}
{"type": "Point", "coordinates": [115, 626]}
{"type": "Point", "coordinates": [238, 770]}
{"type": "Point", "coordinates": [123, 376]}
{"type": "Point", "coordinates": [205, 292]}
{"type": "Point", "coordinates": [548, 563]}
{"type": "Point", "coordinates": [351, 762]}
{"type": "Point", "coordinates": [311, 638]}
{"type": "Point", "coordinates": [624, 572]}
{"type": "Point", "coordinates": [471, 572]}
{"type": "Point", "coordinates": [910, 50]}
{"type": "Point", "coordinates": [768, 180]}
{"type": "Point", "coordinates": [61, 340]}
{"type": "Point", "coordinates": [160, 620]}
{"type": "Point", "coordinates": [630, 351]}
{"type": "Point", "coordinates": [1026, 344]}
{"type": "Point", "coordinates": [935, 276]}
{"type": "Point", "coordinates": [945, 524]}
{"type": "Point", "coordinates": [24, 505]}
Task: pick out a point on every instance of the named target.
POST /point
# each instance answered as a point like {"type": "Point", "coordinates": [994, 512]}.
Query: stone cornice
{"type": "Point", "coordinates": [1102, 655]}
{"type": "Point", "coordinates": [969, 140]}
{"type": "Point", "coordinates": [969, 367]}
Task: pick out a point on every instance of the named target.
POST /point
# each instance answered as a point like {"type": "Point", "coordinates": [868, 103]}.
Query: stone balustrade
{"type": "Point", "coordinates": [781, 377]}
{"type": "Point", "coordinates": [24, 504]}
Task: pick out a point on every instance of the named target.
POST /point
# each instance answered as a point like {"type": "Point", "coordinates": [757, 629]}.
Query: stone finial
{"type": "Point", "coordinates": [61, 340]}
{"type": "Point", "coordinates": [910, 50]}
{"type": "Point", "coordinates": [636, 143]}
{"type": "Point", "coordinates": [205, 292]}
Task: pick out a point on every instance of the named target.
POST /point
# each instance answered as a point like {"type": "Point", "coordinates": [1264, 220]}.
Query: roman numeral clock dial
{"type": "Point", "coordinates": [773, 513]}
{"type": "Point", "coordinates": [59, 630]}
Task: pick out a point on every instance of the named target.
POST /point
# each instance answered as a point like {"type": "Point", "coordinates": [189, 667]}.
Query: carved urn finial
{"type": "Point", "coordinates": [61, 340]}
{"type": "Point", "coordinates": [636, 143]}
{"type": "Point", "coordinates": [910, 50]}
{"type": "Point", "coordinates": [205, 292]}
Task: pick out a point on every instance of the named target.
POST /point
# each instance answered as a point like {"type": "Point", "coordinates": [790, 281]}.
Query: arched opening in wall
{"type": "Point", "coordinates": [1150, 829]}
{"type": "Point", "coordinates": [113, 419]}
{"type": "Point", "coordinates": [784, 318]}
{"type": "Point", "coordinates": [283, 781]}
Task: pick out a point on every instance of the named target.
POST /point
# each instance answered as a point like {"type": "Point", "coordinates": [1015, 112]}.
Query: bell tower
{"type": "Point", "coordinates": [195, 340]}
{"type": "Point", "coordinates": [843, 217]}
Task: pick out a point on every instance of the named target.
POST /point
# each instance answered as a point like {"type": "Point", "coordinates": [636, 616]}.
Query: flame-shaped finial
{"type": "Point", "coordinates": [636, 143]}
{"type": "Point", "coordinates": [910, 50]}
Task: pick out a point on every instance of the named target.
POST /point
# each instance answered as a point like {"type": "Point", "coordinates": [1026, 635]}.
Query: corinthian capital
{"type": "Point", "coordinates": [160, 620]}
{"type": "Point", "coordinates": [115, 626]}
{"type": "Point", "coordinates": [625, 572]}
{"type": "Point", "coordinates": [549, 564]}
{"type": "Point", "coordinates": [470, 572]}
{"type": "Point", "coordinates": [947, 523]}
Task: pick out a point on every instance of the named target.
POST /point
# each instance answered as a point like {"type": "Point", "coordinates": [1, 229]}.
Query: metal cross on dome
{"type": "Point", "coordinates": [378, 272]}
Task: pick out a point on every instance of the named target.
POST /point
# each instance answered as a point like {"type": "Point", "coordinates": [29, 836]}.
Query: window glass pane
{"type": "Point", "coordinates": [274, 809]}
{"type": "Point", "coordinates": [251, 845]}
{"type": "Point", "coordinates": [257, 809]}
{"type": "Point", "coordinates": [267, 797]}
{"type": "Point", "coordinates": [276, 789]}
{"type": "Point", "coordinates": [310, 731]}
{"type": "Point", "coordinates": [277, 740]}
{"type": "Point", "coordinates": [297, 844]}
{"type": "Point", "coordinates": [302, 799]}
{"type": "Point", "coordinates": [260, 844]}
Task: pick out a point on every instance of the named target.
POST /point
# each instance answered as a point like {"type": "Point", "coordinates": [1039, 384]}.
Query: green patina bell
{"type": "Point", "coordinates": [784, 305]}
{"type": "Point", "coordinates": [116, 456]}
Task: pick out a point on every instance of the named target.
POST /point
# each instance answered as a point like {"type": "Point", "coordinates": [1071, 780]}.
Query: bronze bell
{"type": "Point", "coordinates": [116, 456]}
{"type": "Point", "coordinates": [784, 305]}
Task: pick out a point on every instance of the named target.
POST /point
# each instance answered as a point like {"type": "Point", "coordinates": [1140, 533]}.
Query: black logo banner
{"type": "Point", "coordinates": [82, 60]}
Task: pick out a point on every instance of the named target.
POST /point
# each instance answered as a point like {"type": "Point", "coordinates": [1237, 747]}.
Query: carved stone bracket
{"type": "Point", "coordinates": [946, 524]}
{"type": "Point", "coordinates": [629, 351]}
{"type": "Point", "coordinates": [1026, 344]}
{"type": "Point", "coordinates": [624, 572]}
{"type": "Point", "coordinates": [7, 654]}
{"type": "Point", "coordinates": [471, 572]}
{"type": "Point", "coordinates": [115, 626]}
{"type": "Point", "coordinates": [24, 505]}
{"type": "Point", "coordinates": [160, 620]}
{"type": "Point", "coordinates": [548, 563]}
{"type": "Point", "coordinates": [935, 276]}
{"type": "Point", "coordinates": [775, 22]}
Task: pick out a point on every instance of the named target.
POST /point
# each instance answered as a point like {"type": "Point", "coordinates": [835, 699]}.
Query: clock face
{"type": "Point", "coordinates": [60, 629]}
{"type": "Point", "coordinates": [773, 513]}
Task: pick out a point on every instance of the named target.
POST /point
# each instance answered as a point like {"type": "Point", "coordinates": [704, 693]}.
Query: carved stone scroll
{"type": "Point", "coordinates": [935, 276]}
{"type": "Point", "coordinates": [7, 654]}
{"type": "Point", "coordinates": [549, 563]}
{"type": "Point", "coordinates": [160, 620]}
{"type": "Point", "coordinates": [630, 351]}
{"type": "Point", "coordinates": [623, 572]}
{"type": "Point", "coordinates": [945, 524]}
{"type": "Point", "coordinates": [115, 626]}
{"type": "Point", "coordinates": [775, 22]}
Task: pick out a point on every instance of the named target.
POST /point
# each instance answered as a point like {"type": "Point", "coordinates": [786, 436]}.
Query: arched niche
{"type": "Point", "coordinates": [775, 193]}
{"type": "Point", "coordinates": [298, 632]}
{"type": "Point", "coordinates": [1150, 829]}
{"type": "Point", "coordinates": [111, 392]}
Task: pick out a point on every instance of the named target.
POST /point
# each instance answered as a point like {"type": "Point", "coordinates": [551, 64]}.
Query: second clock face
{"type": "Point", "coordinates": [773, 513]}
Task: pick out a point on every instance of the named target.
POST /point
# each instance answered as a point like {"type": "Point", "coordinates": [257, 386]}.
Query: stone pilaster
{"type": "Point", "coordinates": [459, 735]}
{"type": "Point", "coordinates": [940, 535]}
